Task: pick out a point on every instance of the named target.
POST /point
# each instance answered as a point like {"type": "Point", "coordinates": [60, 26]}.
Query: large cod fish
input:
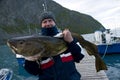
{"type": "Point", "coordinates": [47, 46]}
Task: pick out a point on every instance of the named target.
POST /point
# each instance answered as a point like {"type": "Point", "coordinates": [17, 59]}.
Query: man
{"type": "Point", "coordinates": [62, 66]}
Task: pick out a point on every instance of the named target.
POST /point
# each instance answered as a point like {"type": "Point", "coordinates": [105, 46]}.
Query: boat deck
{"type": "Point", "coordinates": [87, 69]}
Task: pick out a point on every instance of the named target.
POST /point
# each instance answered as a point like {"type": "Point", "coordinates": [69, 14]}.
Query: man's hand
{"type": "Point", "coordinates": [67, 36]}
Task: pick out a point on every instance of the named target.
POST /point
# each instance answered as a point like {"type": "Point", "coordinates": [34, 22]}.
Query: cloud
{"type": "Point", "coordinates": [105, 11]}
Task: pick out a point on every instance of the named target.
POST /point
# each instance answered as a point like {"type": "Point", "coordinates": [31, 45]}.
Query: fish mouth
{"type": "Point", "coordinates": [14, 49]}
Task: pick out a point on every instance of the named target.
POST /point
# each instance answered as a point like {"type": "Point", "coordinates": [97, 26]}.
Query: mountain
{"type": "Point", "coordinates": [20, 17]}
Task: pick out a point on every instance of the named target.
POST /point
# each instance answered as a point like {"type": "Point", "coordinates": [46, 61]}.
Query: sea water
{"type": "Point", "coordinates": [8, 60]}
{"type": "Point", "coordinates": [113, 64]}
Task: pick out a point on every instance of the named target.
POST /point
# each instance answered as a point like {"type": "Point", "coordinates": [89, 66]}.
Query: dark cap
{"type": "Point", "coordinates": [47, 15]}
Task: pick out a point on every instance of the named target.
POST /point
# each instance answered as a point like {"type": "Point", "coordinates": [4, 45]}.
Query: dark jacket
{"type": "Point", "coordinates": [60, 67]}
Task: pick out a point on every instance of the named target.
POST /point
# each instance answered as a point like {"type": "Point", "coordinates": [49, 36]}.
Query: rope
{"type": "Point", "coordinates": [105, 51]}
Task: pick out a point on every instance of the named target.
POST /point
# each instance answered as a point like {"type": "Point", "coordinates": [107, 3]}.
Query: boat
{"type": "Point", "coordinates": [107, 42]}
{"type": "Point", "coordinates": [6, 74]}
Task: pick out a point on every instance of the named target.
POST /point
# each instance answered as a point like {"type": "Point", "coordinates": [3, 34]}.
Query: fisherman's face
{"type": "Point", "coordinates": [47, 23]}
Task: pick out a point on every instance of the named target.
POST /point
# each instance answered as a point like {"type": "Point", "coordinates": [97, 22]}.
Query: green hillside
{"type": "Point", "coordinates": [21, 17]}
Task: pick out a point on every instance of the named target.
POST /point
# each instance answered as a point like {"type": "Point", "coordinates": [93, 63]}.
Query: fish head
{"type": "Point", "coordinates": [26, 46]}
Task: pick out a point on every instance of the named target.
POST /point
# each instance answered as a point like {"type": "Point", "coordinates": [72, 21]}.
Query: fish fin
{"type": "Point", "coordinates": [62, 51]}
{"type": "Point", "coordinates": [99, 63]}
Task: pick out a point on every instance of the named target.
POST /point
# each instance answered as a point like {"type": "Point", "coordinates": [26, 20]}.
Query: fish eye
{"type": "Point", "coordinates": [21, 42]}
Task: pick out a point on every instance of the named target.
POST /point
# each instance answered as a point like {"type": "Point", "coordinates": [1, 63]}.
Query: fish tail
{"type": "Point", "coordinates": [100, 65]}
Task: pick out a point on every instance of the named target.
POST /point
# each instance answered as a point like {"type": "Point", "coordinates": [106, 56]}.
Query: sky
{"type": "Point", "coordinates": [107, 12]}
